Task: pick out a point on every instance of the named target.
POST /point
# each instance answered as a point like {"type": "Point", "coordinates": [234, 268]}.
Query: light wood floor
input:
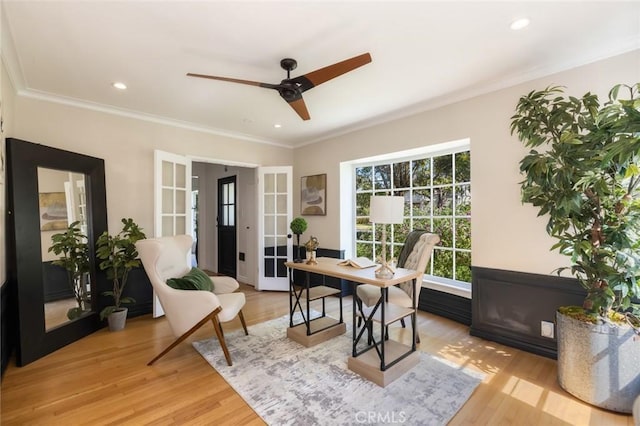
{"type": "Point", "coordinates": [103, 379]}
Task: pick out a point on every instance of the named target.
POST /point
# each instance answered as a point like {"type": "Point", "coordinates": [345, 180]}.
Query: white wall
{"type": "Point", "coordinates": [505, 234]}
{"type": "Point", "coordinates": [127, 146]}
{"type": "Point", "coordinates": [7, 100]}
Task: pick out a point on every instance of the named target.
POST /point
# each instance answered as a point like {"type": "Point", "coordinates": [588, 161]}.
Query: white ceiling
{"type": "Point", "coordinates": [424, 54]}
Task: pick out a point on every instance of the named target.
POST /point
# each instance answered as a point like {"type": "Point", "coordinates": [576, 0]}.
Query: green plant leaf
{"type": "Point", "coordinates": [118, 256]}
{"type": "Point", "coordinates": [584, 176]}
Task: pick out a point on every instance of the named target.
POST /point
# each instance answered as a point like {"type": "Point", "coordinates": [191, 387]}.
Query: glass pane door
{"type": "Point", "coordinates": [275, 212]}
{"type": "Point", "coordinates": [172, 198]}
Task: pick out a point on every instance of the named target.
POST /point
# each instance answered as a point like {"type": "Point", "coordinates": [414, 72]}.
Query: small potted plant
{"type": "Point", "coordinates": [585, 177]}
{"type": "Point", "coordinates": [118, 256]}
{"type": "Point", "coordinates": [298, 226]}
{"type": "Point", "coordinates": [73, 247]}
{"type": "Point", "coordinates": [311, 246]}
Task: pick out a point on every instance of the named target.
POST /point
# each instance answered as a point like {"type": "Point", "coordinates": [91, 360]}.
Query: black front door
{"type": "Point", "coordinates": [227, 226]}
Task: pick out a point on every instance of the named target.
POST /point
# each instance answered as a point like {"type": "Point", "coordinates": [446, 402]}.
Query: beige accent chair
{"type": "Point", "coordinates": [188, 310]}
{"type": "Point", "coordinates": [415, 255]}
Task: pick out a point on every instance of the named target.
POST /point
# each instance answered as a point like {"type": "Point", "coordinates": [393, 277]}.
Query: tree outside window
{"type": "Point", "coordinates": [437, 193]}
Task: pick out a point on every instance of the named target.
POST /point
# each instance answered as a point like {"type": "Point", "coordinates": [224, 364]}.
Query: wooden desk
{"type": "Point", "coordinates": [381, 360]}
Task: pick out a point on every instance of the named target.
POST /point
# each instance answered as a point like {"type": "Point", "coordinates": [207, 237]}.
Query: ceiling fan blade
{"type": "Point", "coordinates": [234, 80]}
{"type": "Point", "coordinates": [299, 106]}
{"type": "Point", "coordinates": [291, 89]}
{"type": "Point", "coordinates": [317, 77]}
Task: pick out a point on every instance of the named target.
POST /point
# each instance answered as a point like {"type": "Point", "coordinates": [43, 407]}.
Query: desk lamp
{"type": "Point", "coordinates": [385, 210]}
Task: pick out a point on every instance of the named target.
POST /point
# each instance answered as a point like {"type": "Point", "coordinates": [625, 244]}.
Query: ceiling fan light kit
{"type": "Point", "coordinates": [291, 89]}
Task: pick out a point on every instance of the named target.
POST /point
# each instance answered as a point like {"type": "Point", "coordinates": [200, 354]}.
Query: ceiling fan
{"type": "Point", "coordinates": [291, 89]}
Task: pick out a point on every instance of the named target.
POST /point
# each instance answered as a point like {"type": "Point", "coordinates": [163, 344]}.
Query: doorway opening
{"type": "Point", "coordinates": [211, 237]}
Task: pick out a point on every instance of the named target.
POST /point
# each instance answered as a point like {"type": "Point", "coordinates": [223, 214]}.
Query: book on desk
{"type": "Point", "coordinates": [358, 262]}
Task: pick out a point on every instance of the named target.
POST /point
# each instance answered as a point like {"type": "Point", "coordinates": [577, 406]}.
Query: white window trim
{"type": "Point", "coordinates": [445, 285]}
{"type": "Point", "coordinates": [348, 213]}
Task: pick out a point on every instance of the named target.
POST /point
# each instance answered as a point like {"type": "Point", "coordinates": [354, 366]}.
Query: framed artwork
{"type": "Point", "coordinates": [53, 211]}
{"type": "Point", "coordinates": [313, 195]}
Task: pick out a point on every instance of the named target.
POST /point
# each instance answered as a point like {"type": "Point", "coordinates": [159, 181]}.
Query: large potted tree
{"type": "Point", "coordinates": [583, 174]}
{"type": "Point", "coordinates": [118, 256]}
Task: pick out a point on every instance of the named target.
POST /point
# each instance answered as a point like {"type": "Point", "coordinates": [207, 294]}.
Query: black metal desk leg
{"type": "Point", "coordinates": [308, 322]}
{"type": "Point", "coordinates": [354, 289]}
{"type": "Point", "coordinates": [291, 293]}
{"type": "Point", "coordinates": [384, 296]}
{"type": "Point", "coordinates": [341, 318]}
{"type": "Point", "coordinates": [413, 315]}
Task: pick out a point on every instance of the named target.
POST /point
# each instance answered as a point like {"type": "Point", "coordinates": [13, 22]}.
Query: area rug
{"type": "Point", "coordinates": [288, 384]}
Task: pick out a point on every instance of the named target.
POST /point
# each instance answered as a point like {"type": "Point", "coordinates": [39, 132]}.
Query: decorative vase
{"type": "Point", "coordinates": [311, 258]}
{"type": "Point", "coordinates": [117, 319]}
{"type": "Point", "coordinates": [598, 363]}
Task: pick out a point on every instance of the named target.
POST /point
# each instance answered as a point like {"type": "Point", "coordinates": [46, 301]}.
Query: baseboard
{"type": "Point", "coordinates": [446, 305]}
{"type": "Point", "coordinates": [508, 307]}
{"type": "Point", "coordinates": [140, 309]}
{"type": "Point", "coordinates": [515, 342]}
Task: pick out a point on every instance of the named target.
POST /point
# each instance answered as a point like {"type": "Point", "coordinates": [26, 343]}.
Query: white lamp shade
{"type": "Point", "coordinates": [386, 209]}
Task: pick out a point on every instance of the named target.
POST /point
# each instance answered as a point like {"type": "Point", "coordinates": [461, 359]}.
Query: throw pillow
{"type": "Point", "coordinates": [195, 279]}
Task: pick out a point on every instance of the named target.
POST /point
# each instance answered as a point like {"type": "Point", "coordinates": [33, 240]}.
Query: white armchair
{"type": "Point", "coordinates": [188, 310]}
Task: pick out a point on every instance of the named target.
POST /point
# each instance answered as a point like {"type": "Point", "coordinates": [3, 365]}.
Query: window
{"type": "Point", "coordinates": [437, 194]}
{"type": "Point", "coordinates": [228, 204]}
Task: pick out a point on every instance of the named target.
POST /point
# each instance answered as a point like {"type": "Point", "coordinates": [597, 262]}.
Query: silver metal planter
{"type": "Point", "coordinates": [599, 364]}
{"type": "Point", "coordinates": [117, 319]}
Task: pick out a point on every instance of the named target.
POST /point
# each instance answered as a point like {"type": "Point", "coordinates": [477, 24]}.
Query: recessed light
{"type": "Point", "coordinates": [519, 24]}
{"type": "Point", "coordinates": [119, 85]}
{"type": "Point", "coordinates": [277, 126]}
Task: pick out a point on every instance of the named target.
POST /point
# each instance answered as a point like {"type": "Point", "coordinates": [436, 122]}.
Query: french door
{"type": "Point", "coordinates": [172, 199]}
{"type": "Point", "coordinates": [275, 246]}
{"type": "Point", "coordinates": [173, 215]}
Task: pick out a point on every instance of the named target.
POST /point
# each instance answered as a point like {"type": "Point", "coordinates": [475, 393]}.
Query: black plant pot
{"type": "Point", "coordinates": [297, 259]}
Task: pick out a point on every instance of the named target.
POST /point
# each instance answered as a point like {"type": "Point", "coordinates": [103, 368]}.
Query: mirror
{"type": "Point", "coordinates": [65, 251]}
{"type": "Point", "coordinates": [49, 189]}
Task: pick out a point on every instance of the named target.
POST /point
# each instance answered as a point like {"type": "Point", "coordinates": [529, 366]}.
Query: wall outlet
{"type": "Point", "coordinates": [547, 329]}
